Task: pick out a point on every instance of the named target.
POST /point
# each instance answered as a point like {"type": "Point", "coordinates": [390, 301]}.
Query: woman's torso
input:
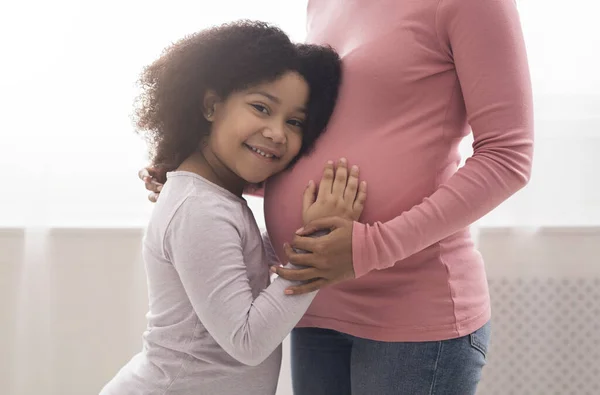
{"type": "Point", "coordinates": [400, 116]}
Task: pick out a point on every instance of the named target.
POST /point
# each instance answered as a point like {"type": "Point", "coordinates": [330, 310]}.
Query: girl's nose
{"type": "Point", "coordinates": [275, 134]}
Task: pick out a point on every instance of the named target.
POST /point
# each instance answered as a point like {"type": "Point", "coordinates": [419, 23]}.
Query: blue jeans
{"type": "Point", "coordinates": [327, 362]}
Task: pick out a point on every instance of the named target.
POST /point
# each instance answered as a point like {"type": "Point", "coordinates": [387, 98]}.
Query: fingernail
{"type": "Point", "coordinates": [330, 162]}
{"type": "Point", "coordinates": [273, 269]}
{"type": "Point", "coordinates": [355, 168]}
{"type": "Point", "coordinates": [159, 188]}
{"type": "Point", "coordinates": [299, 230]}
{"type": "Point", "coordinates": [289, 292]}
{"type": "Point", "coordinates": [343, 160]}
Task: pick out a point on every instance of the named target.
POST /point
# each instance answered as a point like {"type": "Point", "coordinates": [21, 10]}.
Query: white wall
{"type": "Point", "coordinates": [73, 315]}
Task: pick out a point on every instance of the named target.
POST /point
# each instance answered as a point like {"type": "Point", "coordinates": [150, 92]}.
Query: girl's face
{"type": "Point", "coordinates": [257, 132]}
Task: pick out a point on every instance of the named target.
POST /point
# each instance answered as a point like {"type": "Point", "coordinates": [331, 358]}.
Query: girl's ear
{"type": "Point", "coordinates": [211, 99]}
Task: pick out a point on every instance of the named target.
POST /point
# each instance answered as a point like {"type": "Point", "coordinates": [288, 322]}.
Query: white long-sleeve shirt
{"type": "Point", "coordinates": [215, 325]}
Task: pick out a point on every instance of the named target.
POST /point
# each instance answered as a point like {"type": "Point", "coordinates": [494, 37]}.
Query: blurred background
{"type": "Point", "coordinates": [72, 211]}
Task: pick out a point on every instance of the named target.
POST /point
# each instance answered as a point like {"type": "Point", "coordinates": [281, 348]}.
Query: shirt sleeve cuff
{"type": "Point", "coordinates": [359, 252]}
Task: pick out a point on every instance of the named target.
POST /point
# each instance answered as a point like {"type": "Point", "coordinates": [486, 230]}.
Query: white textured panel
{"type": "Point", "coordinates": [545, 290]}
{"type": "Point", "coordinates": [546, 337]}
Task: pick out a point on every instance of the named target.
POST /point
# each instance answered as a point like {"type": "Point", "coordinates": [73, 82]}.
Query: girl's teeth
{"type": "Point", "coordinates": [262, 153]}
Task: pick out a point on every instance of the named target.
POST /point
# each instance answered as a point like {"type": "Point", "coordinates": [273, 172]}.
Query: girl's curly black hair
{"type": "Point", "coordinates": [226, 59]}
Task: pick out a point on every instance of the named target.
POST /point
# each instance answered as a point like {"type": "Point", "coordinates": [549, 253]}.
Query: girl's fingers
{"type": "Point", "coordinates": [361, 198]}
{"type": "Point", "coordinates": [351, 187]}
{"type": "Point", "coordinates": [326, 181]}
{"type": "Point", "coordinates": [341, 177]}
{"type": "Point", "coordinates": [309, 196]}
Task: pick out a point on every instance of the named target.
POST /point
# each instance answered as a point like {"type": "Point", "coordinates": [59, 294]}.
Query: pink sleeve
{"type": "Point", "coordinates": [485, 41]}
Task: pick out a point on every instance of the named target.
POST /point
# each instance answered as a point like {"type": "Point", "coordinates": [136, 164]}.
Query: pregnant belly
{"type": "Point", "coordinates": [397, 181]}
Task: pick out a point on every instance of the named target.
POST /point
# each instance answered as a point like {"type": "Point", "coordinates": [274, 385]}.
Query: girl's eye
{"type": "Point", "coordinates": [297, 123]}
{"type": "Point", "coordinates": [261, 108]}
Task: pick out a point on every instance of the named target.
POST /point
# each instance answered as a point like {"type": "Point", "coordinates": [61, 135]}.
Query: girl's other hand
{"type": "Point", "coordinates": [340, 194]}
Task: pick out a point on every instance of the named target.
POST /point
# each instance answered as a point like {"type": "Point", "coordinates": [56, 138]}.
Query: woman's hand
{"type": "Point", "coordinates": [340, 194]}
{"type": "Point", "coordinates": [150, 176]}
{"type": "Point", "coordinates": [329, 260]}
{"type": "Point", "coordinates": [326, 259]}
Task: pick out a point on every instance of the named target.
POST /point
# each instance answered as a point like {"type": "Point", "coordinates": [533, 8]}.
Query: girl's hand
{"type": "Point", "coordinates": [327, 259]}
{"type": "Point", "coordinates": [150, 175]}
{"type": "Point", "coordinates": [339, 195]}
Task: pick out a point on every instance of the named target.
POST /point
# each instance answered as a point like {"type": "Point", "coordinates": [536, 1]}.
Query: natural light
{"type": "Point", "coordinates": [67, 83]}
{"type": "Point", "coordinates": [79, 276]}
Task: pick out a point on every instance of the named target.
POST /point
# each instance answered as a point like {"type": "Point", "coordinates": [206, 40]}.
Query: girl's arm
{"type": "Point", "coordinates": [204, 241]}
{"type": "Point", "coordinates": [269, 250]}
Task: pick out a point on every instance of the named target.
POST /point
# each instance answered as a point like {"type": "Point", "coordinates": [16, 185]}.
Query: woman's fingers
{"type": "Point", "coordinates": [152, 185]}
{"type": "Point", "coordinates": [308, 287]}
{"type": "Point", "coordinates": [143, 173]}
{"type": "Point", "coordinates": [305, 274]}
{"type": "Point", "coordinates": [149, 176]}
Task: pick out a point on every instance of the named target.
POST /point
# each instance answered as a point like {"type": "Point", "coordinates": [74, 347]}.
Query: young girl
{"type": "Point", "coordinates": [227, 108]}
